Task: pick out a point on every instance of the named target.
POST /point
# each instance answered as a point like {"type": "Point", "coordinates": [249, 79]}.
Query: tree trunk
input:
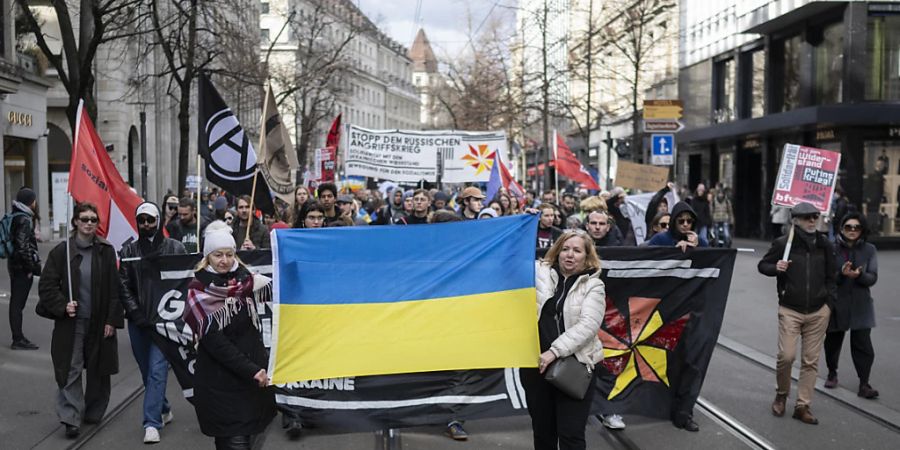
{"type": "Point", "coordinates": [184, 132]}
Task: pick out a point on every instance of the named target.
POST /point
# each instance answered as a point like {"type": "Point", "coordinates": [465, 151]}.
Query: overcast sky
{"type": "Point", "coordinates": [445, 21]}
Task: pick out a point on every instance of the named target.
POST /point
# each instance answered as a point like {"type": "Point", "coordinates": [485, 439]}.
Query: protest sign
{"type": "Point", "coordinates": [641, 176]}
{"type": "Point", "coordinates": [806, 174]}
{"type": "Point", "coordinates": [412, 156]}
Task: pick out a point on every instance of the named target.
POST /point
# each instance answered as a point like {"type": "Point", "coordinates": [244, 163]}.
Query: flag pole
{"type": "Point", "coordinates": [262, 137]}
{"type": "Point", "coordinates": [556, 166]}
{"type": "Point", "coordinates": [68, 249]}
{"type": "Point", "coordinates": [198, 201]}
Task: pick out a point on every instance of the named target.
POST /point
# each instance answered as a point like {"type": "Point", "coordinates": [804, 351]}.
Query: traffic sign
{"type": "Point", "coordinates": [662, 149]}
{"type": "Point", "coordinates": [662, 109]}
{"type": "Point", "coordinates": [667, 125]}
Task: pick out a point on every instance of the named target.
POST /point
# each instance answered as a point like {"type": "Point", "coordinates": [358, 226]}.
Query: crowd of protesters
{"type": "Point", "coordinates": [233, 403]}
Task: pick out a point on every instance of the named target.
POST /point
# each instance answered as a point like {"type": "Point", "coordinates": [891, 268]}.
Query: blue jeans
{"type": "Point", "coordinates": [154, 372]}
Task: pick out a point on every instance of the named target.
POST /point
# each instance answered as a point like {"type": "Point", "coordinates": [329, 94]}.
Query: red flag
{"type": "Point", "coordinates": [334, 134]}
{"type": "Point", "coordinates": [510, 183]}
{"type": "Point", "coordinates": [94, 178]}
{"type": "Point", "coordinates": [570, 167]}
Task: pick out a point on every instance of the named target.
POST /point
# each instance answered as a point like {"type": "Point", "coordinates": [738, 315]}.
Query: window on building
{"type": "Point", "coordinates": [724, 76]}
{"type": "Point", "coordinates": [264, 7]}
{"type": "Point", "coordinates": [264, 34]}
{"type": "Point", "coordinates": [793, 48]}
{"type": "Point", "coordinates": [758, 84]}
{"type": "Point", "coordinates": [829, 65]}
{"type": "Point", "coordinates": [883, 50]}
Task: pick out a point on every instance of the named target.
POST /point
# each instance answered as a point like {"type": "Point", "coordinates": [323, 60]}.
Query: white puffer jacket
{"type": "Point", "coordinates": [583, 313]}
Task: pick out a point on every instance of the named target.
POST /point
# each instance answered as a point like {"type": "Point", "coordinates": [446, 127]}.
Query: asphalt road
{"type": "Point", "coordinates": [739, 385]}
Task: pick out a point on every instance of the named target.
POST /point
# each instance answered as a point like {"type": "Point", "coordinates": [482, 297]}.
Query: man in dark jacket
{"type": "Point", "coordinates": [599, 225]}
{"type": "Point", "coordinates": [24, 264]}
{"type": "Point", "coordinates": [184, 228]}
{"type": "Point", "coordinates": [85, 320]}
{"type": "Point", "coordinates": [140, 310]}
{"type": "Point", "coordinates": [806, 283]}
{"type": "Point", "coordinates": [614, 204]}
{"type": "Point", "coordinates": [259, 234]}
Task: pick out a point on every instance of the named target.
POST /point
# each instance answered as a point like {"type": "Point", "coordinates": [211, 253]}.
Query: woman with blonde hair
{"type": "Point", "coordinates": [571, 302]}
{"type": "Point", "coordinates": [231, 396]}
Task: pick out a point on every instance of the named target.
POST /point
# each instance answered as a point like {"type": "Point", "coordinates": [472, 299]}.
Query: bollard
{"type": "Point", "coordinates": [388, 439]}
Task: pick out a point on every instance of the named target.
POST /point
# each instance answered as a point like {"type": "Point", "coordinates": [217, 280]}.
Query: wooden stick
{"type": "Point", "coordinates": [261, 156]}
{"type": "Point", "coordinates": [252, 198]}
{"type": "Point", "coordinates": [790, 242]}
{"type": "Point", "coordinates": [198, 202]}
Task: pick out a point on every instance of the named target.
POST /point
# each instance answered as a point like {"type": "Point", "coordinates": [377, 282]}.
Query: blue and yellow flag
{"type": "Point", "coordinates": [361, 301]}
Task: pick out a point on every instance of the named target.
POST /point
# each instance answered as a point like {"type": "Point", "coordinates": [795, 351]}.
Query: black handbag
{"type": "Point", "coordinates": [570, 376]}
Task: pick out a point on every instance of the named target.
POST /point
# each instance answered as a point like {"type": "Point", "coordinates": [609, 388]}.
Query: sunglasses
{"type": "Point", "coordinates": [852, 227]}
{"type": "Point", "coordinates": [229, 219]}
{"type": "Point", "coordinates": [810, 217]}
{"type": "Point", "coordinates": [685, 221]}
{"type": "Point", "coordinates": [146, 220]}
{"type": "Point", "coordinates": [172, 206]}
{"type": "Point", "coordinates": [94, 219]}
{"type": "Point", "coordinates": [663, 224]}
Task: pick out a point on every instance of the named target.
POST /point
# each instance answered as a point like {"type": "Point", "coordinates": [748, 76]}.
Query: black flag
{"type": "Point", "coordinates": [230, 158]}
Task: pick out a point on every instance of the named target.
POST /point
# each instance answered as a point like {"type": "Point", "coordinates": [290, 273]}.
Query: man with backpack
{"type": "Point", "coordinates": [19, 245]}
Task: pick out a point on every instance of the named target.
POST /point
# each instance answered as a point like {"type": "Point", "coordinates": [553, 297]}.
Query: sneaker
{"type": "Point", "coordinates": [612, 421]}
{"type": "Point", "coordinates": [831, 382]}
{"type": "Point", "coordinates": [151, 435]}
{"type": "Point", "coordinates": [866, 391]}
{"type": "Point", "coordinates": [72, 431]}
{"type": "Point", "coordinates": [23, 344]}
{"type": "Point", "coordinates": [456, 431]}
{"type": "Point", "coordinates": [168, 417]}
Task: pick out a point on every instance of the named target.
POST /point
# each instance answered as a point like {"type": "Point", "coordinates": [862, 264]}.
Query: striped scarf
{"type": "Point", "coordinates": [216, 298]}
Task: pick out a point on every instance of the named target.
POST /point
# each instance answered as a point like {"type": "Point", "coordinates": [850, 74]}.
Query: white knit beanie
{"type": "Point", "coordinates": [217, 236]}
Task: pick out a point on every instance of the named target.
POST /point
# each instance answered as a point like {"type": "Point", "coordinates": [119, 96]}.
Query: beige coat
{"type": "Point", "coordinates": [583, 313]}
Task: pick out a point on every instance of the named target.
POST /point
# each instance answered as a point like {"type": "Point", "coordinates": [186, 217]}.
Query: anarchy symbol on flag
{"type": "Point", "coordinates": [231, 155]}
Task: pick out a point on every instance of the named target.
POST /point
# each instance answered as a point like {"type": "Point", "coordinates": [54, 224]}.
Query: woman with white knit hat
{"type": "Point", "coordinates": [231, 396]}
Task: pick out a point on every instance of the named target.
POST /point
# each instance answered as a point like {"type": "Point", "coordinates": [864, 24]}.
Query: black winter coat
{"type": "Point", "coordinates": [701, 207]}
{"type": "Point", "coordinates": [101, 354]}
{"type": "Point", "coordinates": [25, 257]}
{"type": "Point", "coordinates": [810, 280]}
{"type": "Point", "coordinates": [854, 309]}
{"type": "Point", "coordinates": [138, 308]}
{"type": "Point", "coordinates": [227, 398]}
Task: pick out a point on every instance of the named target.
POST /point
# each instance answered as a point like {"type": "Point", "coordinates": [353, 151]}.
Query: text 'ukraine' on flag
{"type": "Point", "coordinates": [358, 301]}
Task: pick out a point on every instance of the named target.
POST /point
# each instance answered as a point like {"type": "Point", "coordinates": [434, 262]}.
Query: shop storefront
{"type": "Point", "coordinates": [23, 121]}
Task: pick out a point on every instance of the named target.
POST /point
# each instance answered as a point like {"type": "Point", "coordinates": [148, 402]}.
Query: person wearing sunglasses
{"type": "Point", "coordinates": [854, 309]}
{"type": "Point", "coordinates": [680, 232]}
{"type": "Point", "coordinates": [140, 310]}
{"type": "Point", "coordinates": [170, 212]}
{"type": "Point", "coordinates": [659, 223]}
{"type": "Point", "coordinates": [85, 319]}
{"type": "Point", "coordinates": [806, 287]}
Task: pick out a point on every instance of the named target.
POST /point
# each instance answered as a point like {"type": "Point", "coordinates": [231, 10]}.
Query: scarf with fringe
{"type": "Point", "coordinates": [215, 299]}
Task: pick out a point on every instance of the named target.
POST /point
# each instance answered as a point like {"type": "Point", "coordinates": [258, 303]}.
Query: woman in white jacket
{"type": "Point", "coordinates": [571, 302]}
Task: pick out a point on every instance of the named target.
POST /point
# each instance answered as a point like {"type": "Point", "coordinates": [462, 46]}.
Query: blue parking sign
{"type": "Point", "coordinates": [662, 149]}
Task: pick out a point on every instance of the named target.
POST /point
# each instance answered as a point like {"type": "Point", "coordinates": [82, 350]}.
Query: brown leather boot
{"type": "Point", "coordinates": [778, 405]}
{"type": "Point", "coordinates": [803, 414]}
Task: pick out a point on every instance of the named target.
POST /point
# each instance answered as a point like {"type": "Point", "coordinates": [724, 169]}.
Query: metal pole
{"type": "Point", "coordinates": [143, 117]}
{"type": "Point", "coordinates": [440, 171]}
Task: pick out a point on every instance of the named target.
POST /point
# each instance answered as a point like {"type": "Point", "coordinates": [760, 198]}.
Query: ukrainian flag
{"type": "Point", "coordinates": [356, 301]}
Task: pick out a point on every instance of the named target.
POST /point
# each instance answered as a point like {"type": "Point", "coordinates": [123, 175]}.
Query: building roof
{"type": "Point", "coordinates": [422, 55]}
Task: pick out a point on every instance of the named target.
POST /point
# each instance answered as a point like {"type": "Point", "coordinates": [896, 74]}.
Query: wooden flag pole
{"type": "Point", "coordinates": [199, 183]}
{"type": "Point", "coordinates": [262, 140]}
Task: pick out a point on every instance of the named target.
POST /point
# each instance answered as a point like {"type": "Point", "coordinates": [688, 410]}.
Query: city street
{"type": "Point", "coordinates": [733, 412]}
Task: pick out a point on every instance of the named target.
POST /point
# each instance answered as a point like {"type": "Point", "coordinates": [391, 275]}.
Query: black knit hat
{"type": "Point", "coordinates": [26, 196]}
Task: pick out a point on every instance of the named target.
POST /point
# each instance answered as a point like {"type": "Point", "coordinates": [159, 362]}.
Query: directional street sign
{"type": "Point", "coordinates": [662, 109]}
{"type": "Point", "coordinates": [666, 125]}
{"type": "Point", "coordinates": [662, 149]}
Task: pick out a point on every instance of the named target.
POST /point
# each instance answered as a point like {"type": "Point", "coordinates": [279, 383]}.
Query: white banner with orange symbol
{"type": "Point", "coordinates": [412, 156]}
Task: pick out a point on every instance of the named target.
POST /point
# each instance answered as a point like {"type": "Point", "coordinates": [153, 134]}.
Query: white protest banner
{"type": "Point", "coordinates": [411, 156]}
{"type": "Point", "coordinates": [806, 174]}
